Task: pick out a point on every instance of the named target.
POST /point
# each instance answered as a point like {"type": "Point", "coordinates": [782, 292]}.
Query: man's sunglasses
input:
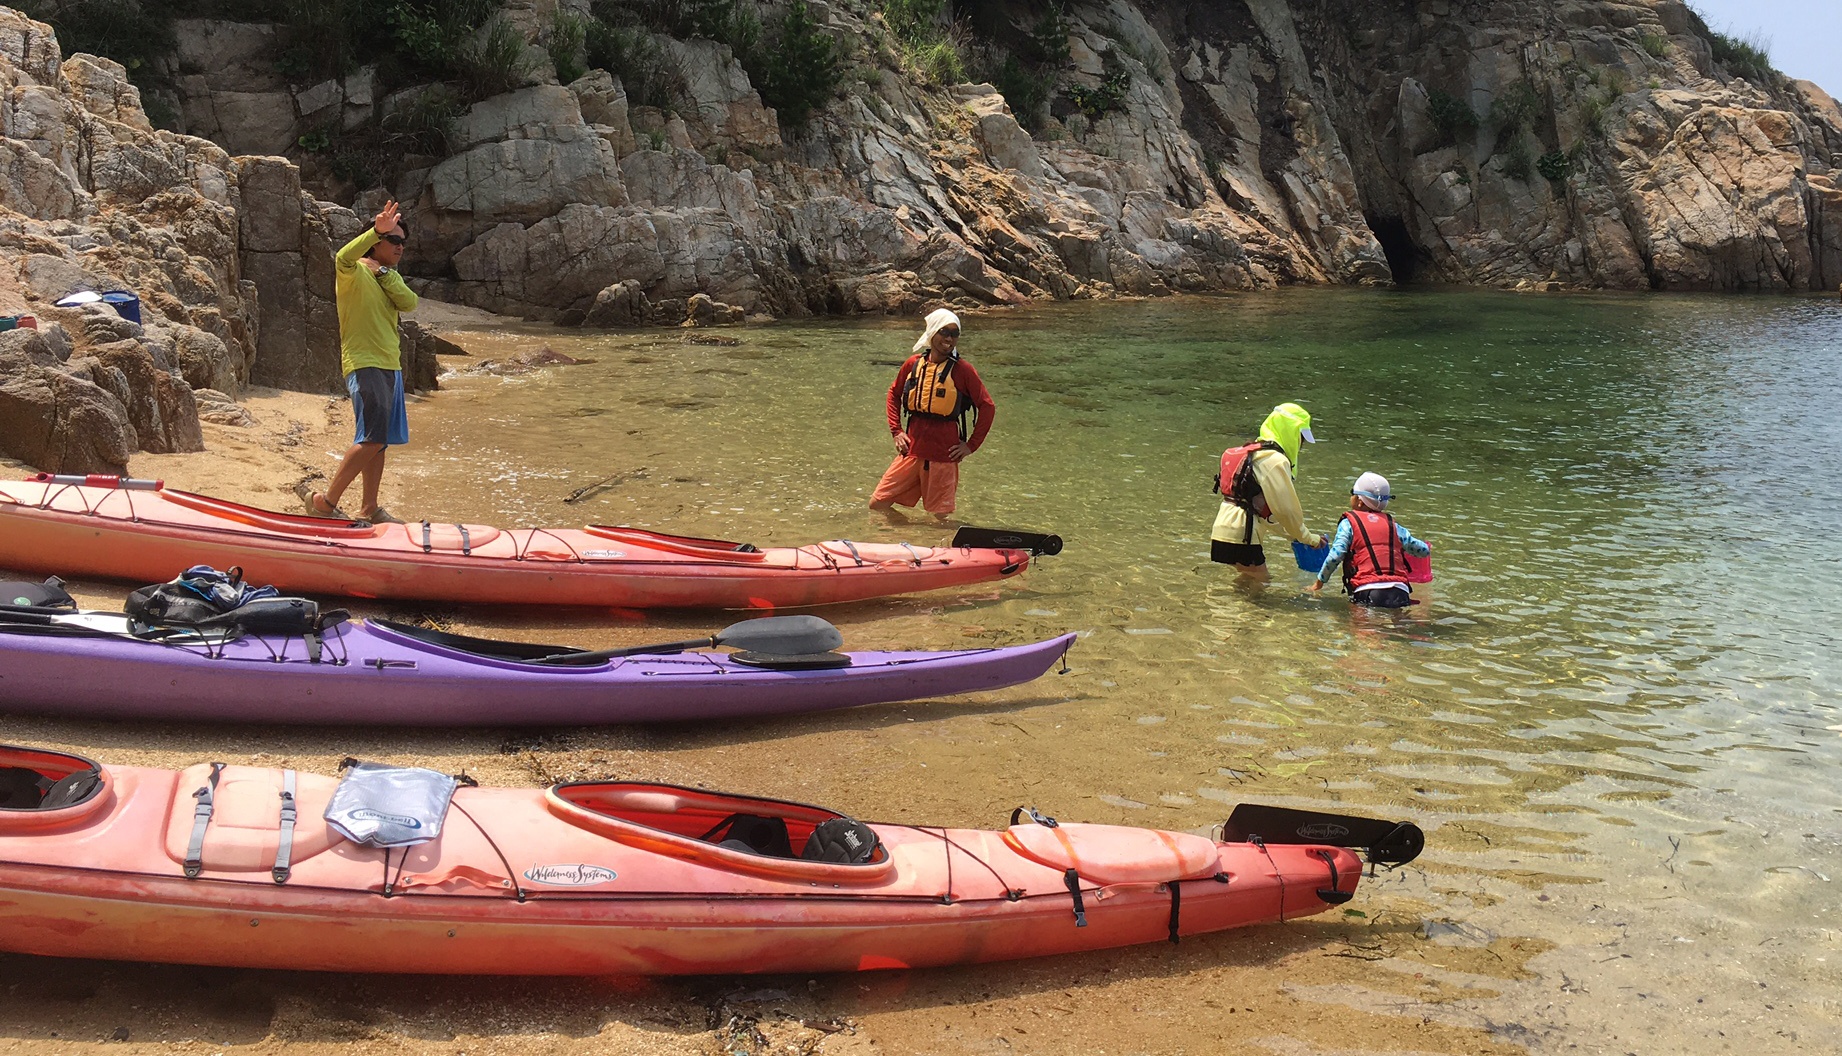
{"type": "Point", "coordinates": [395, 240]}
{"type": "Point", "coordinates": [950, 331]}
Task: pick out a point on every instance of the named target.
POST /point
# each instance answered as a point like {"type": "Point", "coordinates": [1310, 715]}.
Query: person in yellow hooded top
{"type": "Point", "coordinates": [1256, 486]}
{"type": "Point", "coordinates": [371, 296]}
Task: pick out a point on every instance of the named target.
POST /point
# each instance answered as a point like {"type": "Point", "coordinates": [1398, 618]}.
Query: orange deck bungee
{"type": "Point", "coordinates": [148, 535]}
{"type": "Point", "coordinates": [591, 878]}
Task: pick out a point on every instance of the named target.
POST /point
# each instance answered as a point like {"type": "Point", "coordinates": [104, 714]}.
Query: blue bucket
{"type": "Point", "coordinates": [126, 304]}
{"type": "Point", "coordinates": [1308, 559]}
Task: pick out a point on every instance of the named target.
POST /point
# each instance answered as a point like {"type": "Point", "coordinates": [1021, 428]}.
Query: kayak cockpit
{"type": "Point", "coordinates": [42, 789]}
{"type": "Point", "coordinates": [763, 837]}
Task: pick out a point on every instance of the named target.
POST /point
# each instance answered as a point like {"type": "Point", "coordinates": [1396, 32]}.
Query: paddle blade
{"type": "Point", "coordinates": [1006, 539]}
{"type": "Point", "coordinates": [782, 635]}
{"type": "Point", "coordinates": [1309, 559]}
{"type": "Point", "coordinates": [1388, 842]}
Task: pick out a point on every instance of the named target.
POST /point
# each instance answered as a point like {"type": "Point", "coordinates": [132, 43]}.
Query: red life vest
{"type": "Point", "coordinates": [1376, 554]}
{"type": "Point", "coordinates": [1237, 484]}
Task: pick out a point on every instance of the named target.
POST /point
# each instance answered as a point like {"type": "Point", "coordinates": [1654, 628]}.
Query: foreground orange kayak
{"type": "Point", "coordinates": [149, 534]}
{"type": "Point", "coordinates": [238, 866]}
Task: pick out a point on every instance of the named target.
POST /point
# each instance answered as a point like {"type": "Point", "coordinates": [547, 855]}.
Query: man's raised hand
{"type": "Point", "coordinates": [386, 221]}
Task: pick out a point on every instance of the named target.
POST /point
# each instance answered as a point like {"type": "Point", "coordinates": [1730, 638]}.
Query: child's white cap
{"type": "Point", "coordinates": [1373, 490]}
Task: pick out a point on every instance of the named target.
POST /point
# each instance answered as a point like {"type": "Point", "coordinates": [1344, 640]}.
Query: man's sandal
{"type": "Point", "coordinates": [317, 506]}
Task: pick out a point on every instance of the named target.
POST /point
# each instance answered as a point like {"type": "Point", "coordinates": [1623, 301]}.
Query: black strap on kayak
{"type": "Point", "coordinates": [1330, 894]}
{"type": "Point", "coordinates": [1176, 908]}
{"type": "Point", "coordinates": [426, 546]}
{"type": "Point", "coordinates": [1073, 880]}
{"type": "Point", "coordinates": [466, 541]}
{"type": "Point", "coordinates": [284, 846]}
{"type": "Point", "coordinates": [852, 547]}
{"type": "Point", "coordinates": [1176, 903]}
{"type": "Point", "coordinates": [912, 556]}
{"type": "Point", "coordinates": [201, 819]}
{"type": "Point", "coordinates": [390, 884]}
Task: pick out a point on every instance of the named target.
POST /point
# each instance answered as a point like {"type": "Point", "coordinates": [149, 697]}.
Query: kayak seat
{"type": "Point", "coordinates": [1116, 854]}
{"type": "Point", "coordinates": [42, 789]}
{"type": "Point", "coordinates": [754, 833]}
{"type": "Point", "coordinates": [245, 828]}
{"type": "Point", "coordinates": [22, 788]}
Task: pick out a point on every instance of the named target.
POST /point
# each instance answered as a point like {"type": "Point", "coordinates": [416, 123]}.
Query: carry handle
{"type": "Point", "coordinates": [99, 480]}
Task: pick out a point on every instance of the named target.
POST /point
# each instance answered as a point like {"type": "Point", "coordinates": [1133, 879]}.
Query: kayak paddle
{"type": "Point", "coordinates": [1388, 842]}
{"type": "Point", "coordinates": [777, 635]}
{"type": "Point", "coordinates": [1005, 539]}
{"type": "Point", "coordinates": [98, 480]}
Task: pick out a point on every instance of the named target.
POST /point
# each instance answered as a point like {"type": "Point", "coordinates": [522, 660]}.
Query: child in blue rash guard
{"type": "Point", "coordinates": [1376, 546]}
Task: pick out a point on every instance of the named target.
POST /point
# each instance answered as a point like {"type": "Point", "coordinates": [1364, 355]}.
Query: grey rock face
{"type": "Point", "coordinates": [99, 201]}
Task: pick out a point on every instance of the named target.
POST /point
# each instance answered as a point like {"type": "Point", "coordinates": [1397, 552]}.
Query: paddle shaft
{"type": "Point", "coordinates": [780, 635]}
{"type": "Point", "coordinates": [636, 650]}
{"type": "Point", "coordinates": [100, 480]}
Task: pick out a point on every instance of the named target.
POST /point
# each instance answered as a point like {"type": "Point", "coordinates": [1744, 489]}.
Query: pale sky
{"type": "Point", "coordinates": [1803, 37]}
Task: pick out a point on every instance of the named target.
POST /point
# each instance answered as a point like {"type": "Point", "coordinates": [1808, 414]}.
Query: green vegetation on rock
{"type": "Point", "coordinates": [1451, 116]}
{"type": "Point", "coordinates": [801, 70]}
{"type": "Point", "coordinates": [1098, 102]}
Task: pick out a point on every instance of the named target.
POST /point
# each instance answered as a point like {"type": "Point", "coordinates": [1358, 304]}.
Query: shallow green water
{"type": "Point", "coordinates": [1620, 691]}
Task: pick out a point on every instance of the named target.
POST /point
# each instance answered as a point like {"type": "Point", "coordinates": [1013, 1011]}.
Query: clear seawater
{"type": "Point", "coordinates": [1615, 710]}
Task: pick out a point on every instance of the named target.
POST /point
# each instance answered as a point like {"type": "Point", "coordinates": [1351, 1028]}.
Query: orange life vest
{"type": "Point", "coordinates": [931, 390]}
{"type": "Point", "coordinates": [1376, 554]}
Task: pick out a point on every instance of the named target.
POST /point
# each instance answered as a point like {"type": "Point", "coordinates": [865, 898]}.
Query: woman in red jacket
{"type": "Point", "coordinates": [934, 393]}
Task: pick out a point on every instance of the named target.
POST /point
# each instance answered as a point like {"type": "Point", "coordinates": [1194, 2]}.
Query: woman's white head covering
{"type": "Point", "coordinates": [939, 317]}
{"type": "Point", "coordinates": [1373, 490]}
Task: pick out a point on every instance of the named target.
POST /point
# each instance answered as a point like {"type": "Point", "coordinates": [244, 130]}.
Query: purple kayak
{"type": "Point", "coordinates": [378, 673]}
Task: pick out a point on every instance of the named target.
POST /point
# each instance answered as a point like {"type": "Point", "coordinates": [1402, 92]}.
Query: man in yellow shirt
{"type": "Point", "coordinates": [372, 296]}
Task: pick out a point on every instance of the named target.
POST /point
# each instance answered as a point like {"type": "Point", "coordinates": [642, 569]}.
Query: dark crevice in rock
{"type": "Point", "coordinates": [1405, 258]}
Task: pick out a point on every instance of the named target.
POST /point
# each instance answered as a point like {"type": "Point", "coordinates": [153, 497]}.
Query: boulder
{"type": "Point", "coordinates": [62, 424]}
{"type": "Point", "coordinates": [161, 409]}
{"type": "Point", "coordinates": [622, 304]}
{"type": "Point", "coordinates": [218, 408]}
{"type": "Point", "coordinates": [421, 370]}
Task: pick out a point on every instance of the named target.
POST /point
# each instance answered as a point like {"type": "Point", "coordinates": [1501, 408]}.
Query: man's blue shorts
{"type": "Point", "coordinates": [377, 405]}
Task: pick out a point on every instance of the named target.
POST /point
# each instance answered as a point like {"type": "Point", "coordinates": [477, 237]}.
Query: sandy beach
{"type": "Point", "coordinates": [1269, 989]}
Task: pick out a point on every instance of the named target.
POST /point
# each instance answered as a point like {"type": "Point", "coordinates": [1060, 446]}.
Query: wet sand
{"type": "Point", "coordinates": [1363, 979]}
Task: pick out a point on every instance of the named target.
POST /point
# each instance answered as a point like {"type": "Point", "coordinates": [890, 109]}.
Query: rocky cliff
{"type": "Point", "coordinates": [1170, 147]}
{"type": "Point", "coordinates": [1585, 143]}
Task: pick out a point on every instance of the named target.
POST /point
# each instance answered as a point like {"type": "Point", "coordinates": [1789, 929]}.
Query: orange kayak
{"type": "Point", "coordinates": [149, 534]}
{"type": "Point", "coordinates": [238, 866]}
